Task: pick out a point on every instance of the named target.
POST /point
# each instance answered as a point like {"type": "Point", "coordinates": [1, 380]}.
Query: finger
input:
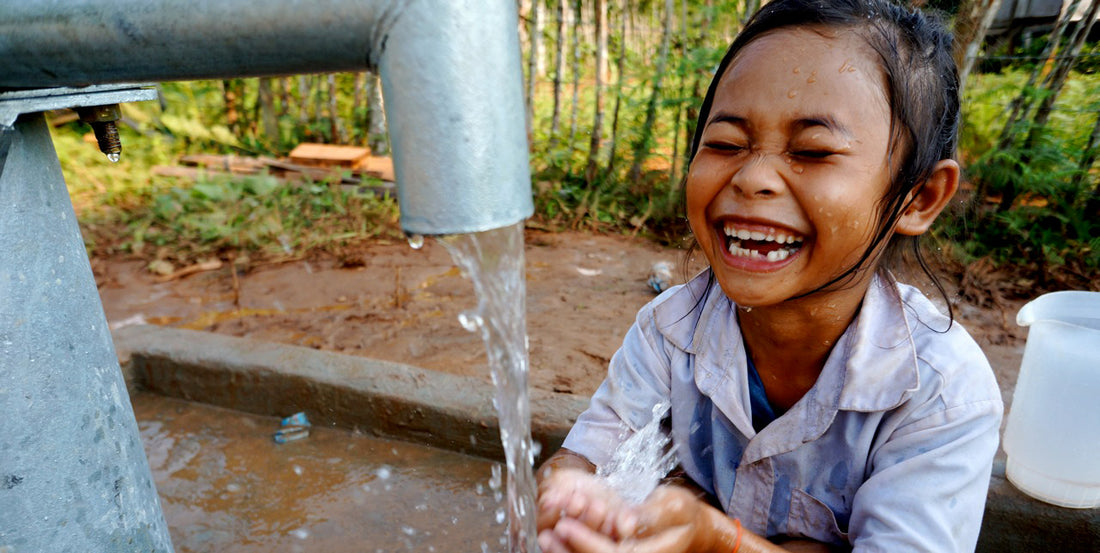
{"type": "Point", "coordinates": [549, 542]}
{"type": "Point", "coordinates": [582, 539]}
{"type": "Point", "coordinates": [674, 540]}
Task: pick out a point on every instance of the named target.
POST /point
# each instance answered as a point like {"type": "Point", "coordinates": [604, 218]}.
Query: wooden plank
{"type": "Point", "coordinates": [378, 167]}
{"type": "Point", "coordinates": [328, 155]}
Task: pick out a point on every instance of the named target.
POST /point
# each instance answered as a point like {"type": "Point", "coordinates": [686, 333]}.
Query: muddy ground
{"type": "Point", "coordinates": [388, 301]}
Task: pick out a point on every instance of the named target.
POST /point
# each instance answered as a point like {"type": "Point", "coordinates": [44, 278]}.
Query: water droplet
{"type": "Point", "coordinates": [416, 241]}
{"type": "Point", "coordinates": [383, 472]}
{"type": "Point", "coordinates": [421, 507]}
{"type": "Point", "coordinates": [408, 530]}
{"type": "Point", "coordinates": [298, 470]}
{"type": "Point", "coordinates": [470, 320]}
{"type": "Point", "coordinates": [500, 516]}
{"type": "Point", "coordinates": [792, 93]}
{"type": "Point", "coordinates": [495, 478]}
{"type": "Point", "coordinates": [797, 70]}
{"type": "Point", "coordinates": [300, 533]}
{"type": "Point", "coordinates": [798, 169]}
{"type": "Point", "coordinates": [113, 157]}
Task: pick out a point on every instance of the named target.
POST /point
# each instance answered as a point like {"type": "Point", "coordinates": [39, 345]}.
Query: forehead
{"type": "Point", "coordinates": [799, 71]}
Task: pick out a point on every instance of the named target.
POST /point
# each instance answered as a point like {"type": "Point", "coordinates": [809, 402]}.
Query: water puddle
{"type": "Point", "coordinates": [494, 262]}
{"type": "Point", "coordinates": [225, 485]}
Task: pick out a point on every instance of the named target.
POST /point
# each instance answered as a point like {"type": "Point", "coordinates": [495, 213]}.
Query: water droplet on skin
{"type": "Point", "coordinates": [416, 241]}
{"type": "Point", "coordinates": [114, 157]}
{"type": "Point", "coordinates": [798, 169]}
{"type": "Point", "coordinates": [792, 93]}
{"type": "Point", "coordinates": [797, 70]}
{"type": "Point", "coordinates": [812, 78]}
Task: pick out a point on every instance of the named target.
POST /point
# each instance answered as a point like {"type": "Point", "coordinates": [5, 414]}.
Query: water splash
{"type": "Point", "coordinates": [640, 462]}
{"type": "Point", "coordinates": [493, 260]}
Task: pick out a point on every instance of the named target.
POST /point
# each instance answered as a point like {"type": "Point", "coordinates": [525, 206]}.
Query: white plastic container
{"type": "Point", "coordinates": [1053, 433]}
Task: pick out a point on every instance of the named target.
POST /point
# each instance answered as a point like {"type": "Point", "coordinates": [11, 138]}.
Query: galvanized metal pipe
{"type": "Point", "coordinates": [450, 70]}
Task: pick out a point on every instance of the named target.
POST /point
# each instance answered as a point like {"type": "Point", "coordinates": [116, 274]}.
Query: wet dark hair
{"type": "Point", "coordinates": [922, 89]}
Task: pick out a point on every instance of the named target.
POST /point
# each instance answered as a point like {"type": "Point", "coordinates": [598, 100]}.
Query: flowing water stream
{"type": "Point", "coordinates": [493, 260]}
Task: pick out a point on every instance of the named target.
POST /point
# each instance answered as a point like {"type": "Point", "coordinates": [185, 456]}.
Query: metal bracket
{"type": "Point", "coordinates": [13, 103]}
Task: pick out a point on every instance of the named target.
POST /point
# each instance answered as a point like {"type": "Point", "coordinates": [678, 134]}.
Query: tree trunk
{"type": "Point", "coordinates": [576, 71]}
{"type": "Point", "coordinates": [674, 166]}
{"type": "Point", "coordinates": [533, 64]}
{"type": "Point", "coordinates": [376, 127]}
{"type": "Point", "coordinates": [643, 145]}
{"type": "Point", "coordinates": [231, 95]}
{"type": "Point", "coordinates": [356, 106]}
{"type": "Point", "coordinates": [559, 69]}
{"type": "Point", "coordinates": [336, 129]}
{"type": "Point", "coordinates": [303, 102]}
{"type": "Point", "coordinates": [592, 167]}
{"type": "Point", "coordinates": [971, 25]}
{"type": "Point", "coordinates": [620, 61]}
{"type": "Point", "coordinates": [602, 65]}
{"type": "Point", "coordinates": [269, 121]}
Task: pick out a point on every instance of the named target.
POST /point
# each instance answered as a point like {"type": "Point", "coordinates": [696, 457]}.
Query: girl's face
{"type": "Point", "coordinates": [783, 192]}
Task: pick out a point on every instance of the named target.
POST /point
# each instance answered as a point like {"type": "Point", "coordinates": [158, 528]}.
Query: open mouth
{"type": "Point", "coordinates": [772, 245]}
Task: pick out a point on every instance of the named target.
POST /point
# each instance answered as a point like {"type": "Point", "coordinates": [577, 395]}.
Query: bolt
{"type": "Point", "coordinates": [102, 119]}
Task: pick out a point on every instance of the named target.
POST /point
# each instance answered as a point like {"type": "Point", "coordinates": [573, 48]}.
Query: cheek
{"type": "Point", "coordinates": [698, 194]}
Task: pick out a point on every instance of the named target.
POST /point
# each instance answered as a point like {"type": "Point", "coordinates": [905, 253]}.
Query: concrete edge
{"type": "Point", "coordinates": [384, 399]}
{"type": "Point", "coordinates": [402, 402]}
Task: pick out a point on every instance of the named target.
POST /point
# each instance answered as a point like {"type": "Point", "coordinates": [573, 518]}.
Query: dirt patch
{"type": "Point", "coordinates": [390, 302]}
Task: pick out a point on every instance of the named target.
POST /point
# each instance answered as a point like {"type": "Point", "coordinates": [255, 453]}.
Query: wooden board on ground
{"type": "Point", "coordinates": [379, 167]}
{"type": "Point", "coordinates": [328, 155]}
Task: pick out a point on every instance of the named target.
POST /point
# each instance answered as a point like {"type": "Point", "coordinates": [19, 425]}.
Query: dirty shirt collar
{"type": "Point", "coordinates": [853, 378]}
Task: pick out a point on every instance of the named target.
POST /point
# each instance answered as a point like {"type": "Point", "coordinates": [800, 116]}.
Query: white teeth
{"type": "Point", "coordinates": [771, 236]}
{"type": "Point", "coordinates": [778, 255]}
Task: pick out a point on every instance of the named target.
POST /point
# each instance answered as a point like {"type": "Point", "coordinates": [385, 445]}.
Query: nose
{"type": "Point", "coordinates": [760, 177]}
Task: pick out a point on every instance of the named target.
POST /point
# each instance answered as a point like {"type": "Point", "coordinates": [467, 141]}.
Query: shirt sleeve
{"type": "Point", "coordinates": [928, 482]}
{"type": "Point", "coordinates": [637, 379]}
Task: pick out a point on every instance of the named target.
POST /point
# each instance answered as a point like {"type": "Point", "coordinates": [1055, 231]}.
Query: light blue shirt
{"type": "Point", "coordinates": [890, 450]}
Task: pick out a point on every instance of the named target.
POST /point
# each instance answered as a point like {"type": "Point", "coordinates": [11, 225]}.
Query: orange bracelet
{"type": "Point", "coordinates": [737, 540]}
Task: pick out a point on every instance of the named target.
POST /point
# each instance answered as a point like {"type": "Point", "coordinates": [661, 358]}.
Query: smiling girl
{"type": "Point", "coordinates": [817, 403]}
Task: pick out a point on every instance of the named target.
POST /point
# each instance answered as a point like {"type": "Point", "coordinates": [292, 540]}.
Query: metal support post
{"type": "Point", "coordinates": [73, 474]}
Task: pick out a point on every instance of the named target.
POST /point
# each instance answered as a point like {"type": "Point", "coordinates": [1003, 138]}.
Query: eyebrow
{"type": "Point", "coordinates": [802, 123]}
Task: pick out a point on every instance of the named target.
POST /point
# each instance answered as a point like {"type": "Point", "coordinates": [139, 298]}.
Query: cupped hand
{"type": "Point", "coordinates": [580, 496]}
{"type": "Point", "coordinates": [671, 520]}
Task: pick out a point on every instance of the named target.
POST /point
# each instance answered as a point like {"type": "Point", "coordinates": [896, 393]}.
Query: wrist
{"type": "Point", "coordinates": [725, 533]}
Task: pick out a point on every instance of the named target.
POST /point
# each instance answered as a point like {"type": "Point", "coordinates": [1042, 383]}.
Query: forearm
{"type": "Point", "coordinates": [725, 532]}
{"type": "Point", "coordinates": [563, 459]}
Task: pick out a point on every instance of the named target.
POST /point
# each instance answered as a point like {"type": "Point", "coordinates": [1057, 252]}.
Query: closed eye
{"type": "Point", "coordinates": [813, 154]}
{"type": "Point", "coordinates": [723, 146]}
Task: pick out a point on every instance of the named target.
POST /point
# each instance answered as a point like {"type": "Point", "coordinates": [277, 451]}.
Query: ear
{"type": "Point", "coordinates": [927, 201]}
